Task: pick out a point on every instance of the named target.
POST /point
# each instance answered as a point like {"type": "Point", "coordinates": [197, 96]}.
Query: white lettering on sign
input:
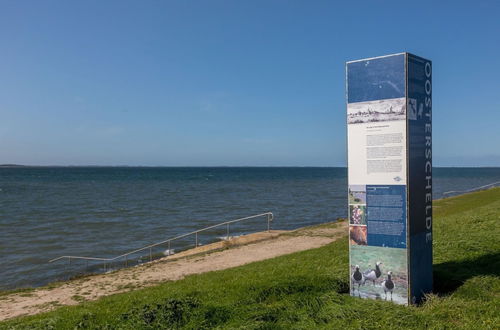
{"type": "Point", "coordinates": [428, 151]}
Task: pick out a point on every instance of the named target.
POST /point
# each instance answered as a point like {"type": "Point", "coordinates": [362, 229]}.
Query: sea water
{"type": "Point", "coordinates": [46, 212]}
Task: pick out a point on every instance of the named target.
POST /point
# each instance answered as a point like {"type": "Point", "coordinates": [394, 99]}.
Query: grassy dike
{"type": "Point", "coordinates": [309, 289]}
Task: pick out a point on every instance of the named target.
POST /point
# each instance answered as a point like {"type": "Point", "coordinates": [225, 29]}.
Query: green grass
{"type": "Point", "coordinates": [309, 290]}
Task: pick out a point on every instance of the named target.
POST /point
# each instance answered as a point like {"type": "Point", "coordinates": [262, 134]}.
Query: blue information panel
{"type": "Point", "coordinates": [389, 101]}
{"type": "Point", "coordinates": [386, 215]}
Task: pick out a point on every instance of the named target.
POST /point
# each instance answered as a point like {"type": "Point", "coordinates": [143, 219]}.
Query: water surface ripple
{"type": "Point", "coordinates": [47, 212]}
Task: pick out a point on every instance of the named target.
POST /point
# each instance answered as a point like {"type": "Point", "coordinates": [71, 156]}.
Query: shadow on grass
{"type": "Point", "coordinates": [300, 285]}
{"type": "Point", "coordinates": [449, 276]}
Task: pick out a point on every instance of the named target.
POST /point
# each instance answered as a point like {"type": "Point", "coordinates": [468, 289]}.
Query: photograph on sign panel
{"type": "Point", "coordinates": [358, 235]}
{"type": "Point", "coordinates": [379, 273]}
{"type": "Point", "coordinates": [357, 214]}
{"type": "Point", "coordinates": [357, 194]}
{"type": "Point", "coordinates": [376, 111]}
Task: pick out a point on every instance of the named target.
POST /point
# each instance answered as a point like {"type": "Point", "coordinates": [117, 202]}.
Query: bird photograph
{"type": "Point", "coordinates": [357, 278]}
{"type": "Point", "coordinates": [379, 273]}
{"type": "Point", "coordinates": [388, 285]}
{"type": "Point", "coordinates": [372, 274]}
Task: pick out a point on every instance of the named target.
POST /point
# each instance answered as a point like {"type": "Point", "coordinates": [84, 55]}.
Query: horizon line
{"type": "Point", "coordinates": [214, 166]}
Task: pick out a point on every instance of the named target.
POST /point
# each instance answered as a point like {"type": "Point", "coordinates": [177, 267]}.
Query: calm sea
{"type": "Point", "coordinates": [103, 212]}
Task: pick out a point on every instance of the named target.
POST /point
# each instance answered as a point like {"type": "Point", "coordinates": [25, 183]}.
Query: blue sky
{"type": "Point", "coordinates": [242, 83]}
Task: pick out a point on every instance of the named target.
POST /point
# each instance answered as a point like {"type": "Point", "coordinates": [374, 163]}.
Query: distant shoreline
{"type": "Point", "coordinates": [215, 166]}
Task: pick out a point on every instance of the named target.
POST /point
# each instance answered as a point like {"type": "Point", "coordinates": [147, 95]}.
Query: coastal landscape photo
{"type": "Point", "coordinates": [376, 111]}
{"type": "Point", "coordinates": [357, 194]}
{"type": "Point", "coordinates": [249, 165]}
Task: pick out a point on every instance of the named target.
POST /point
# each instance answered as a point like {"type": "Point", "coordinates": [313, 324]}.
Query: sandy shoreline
{"type": "Point", "coordinates": [211, 257]}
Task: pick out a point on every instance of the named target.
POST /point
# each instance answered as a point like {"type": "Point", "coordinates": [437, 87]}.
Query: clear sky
{"type": "Point", "coordinates": [204, 83]}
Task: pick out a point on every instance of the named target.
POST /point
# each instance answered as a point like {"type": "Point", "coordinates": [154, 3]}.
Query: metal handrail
{"type": "Point", "coordinates": [472, 189]}
{"type": "Point", "coordinates": [269, 216]}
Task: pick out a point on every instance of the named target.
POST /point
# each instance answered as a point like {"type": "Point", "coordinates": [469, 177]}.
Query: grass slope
{"type": "Point", "coordinates": [310, 289]}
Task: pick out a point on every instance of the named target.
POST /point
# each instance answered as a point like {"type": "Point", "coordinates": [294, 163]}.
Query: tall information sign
{"type": "Point", "coordinates": [389, 125]}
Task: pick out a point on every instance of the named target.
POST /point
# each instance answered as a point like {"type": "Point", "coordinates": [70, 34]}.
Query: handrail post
{"type": "Point", "coordinates": [169, 251]}
{"type": "Point", "coordinates": [227, 232]}
{"type": "Point", "coordinates": [196, 235]}
{"type": "Point", "coordinates": [150, 255]}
